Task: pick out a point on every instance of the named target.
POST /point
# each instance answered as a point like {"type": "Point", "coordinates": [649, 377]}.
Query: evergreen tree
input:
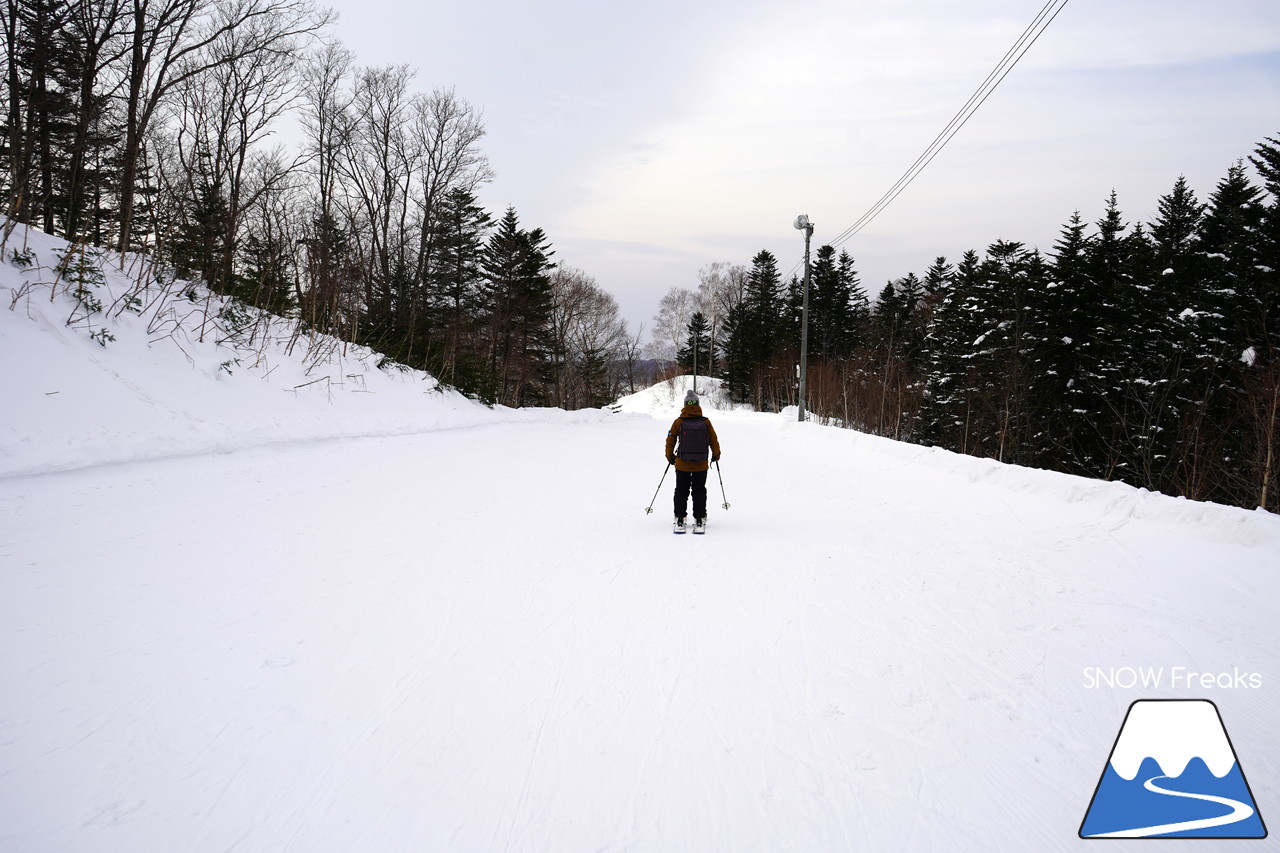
{"type": "Point", "coordinates": [87, 168]}
{"type": "Point", "coordinates": [937, 279]}
{"type": "Point", "coordinates": [1152, 376]}
{"type": "Point", "coordinates": [978, 348]}
{"type": "Point", "coordinates": [764, 302]}
{"type": "Point", "coordinates": [824, 299]}
{"type": "Point", "coordinates": [1266, 160]}
{"type": "Point", "coordinates": [1178, 269]}
{"type": "Point", "coordinates": [593, 373]}
{"type": "Point", "coordinates": [266, 282]}
{"type": "Point", "coordinates": [1261, 409]}
{"type": "Point", "coordinates": [518, 307]}
{"type": "Point", "coordinates": [897, 335]}
{"type": "Point", "coordinates": [694, 356]}
{"type": "Point", "coordinates": [838, 309]}
{"type": "Point", "coordinates": [1229, 238]}
{"type": "Point", "coordinates": [936, 286]}
{"type": "Point", "coordinates": [888, 314]}
{"type": "Point", "coordinates": [1176, 235]}
{"type": "Point", "coordinates": [1060, 327]}
{"type": "Point", "coordinates": [788, 333]}
{"type": "Point", "coordinates": [455, 273]}
{"type": "Point", "coordinates": [41, 115]}
{"type": "Point", "coordinates": [855, 331]}
{"type": "Point", "coordinates": [330, 276]}
{"type": "Point", "coordinates": [1119, 402]}
{"type": "Point", "coordinates": [898, 321]}
{"type": "Point", "coordinates": [1226, 324]}
{"type": "Point", "coordinates": [1096, 395]}
{"type": "Point", "coordinates": [754, 334]}
{"type": "Point", "coordinates": [1011, 279]}
{"type": "Point", "coordinates": [953, 385]}
{"type": "Point", "coordinates": [455, 282]}
{"type": "Point", "coordinates": [735, 353]}
{"type": "Point", "coordinates": [198, 251]}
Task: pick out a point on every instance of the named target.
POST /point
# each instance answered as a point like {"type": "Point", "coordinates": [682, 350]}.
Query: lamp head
{"type": "Point", "coordinates": [802, 222]}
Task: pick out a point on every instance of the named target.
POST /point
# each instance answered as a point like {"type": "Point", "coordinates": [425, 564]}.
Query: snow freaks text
{"type": "Point", "coordinates": [1173, 678]}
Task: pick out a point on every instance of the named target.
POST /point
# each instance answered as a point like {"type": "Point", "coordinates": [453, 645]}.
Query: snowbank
{"type": "Point", "coordinates": [167, 376]}
{"type": "Point", "coordinates": [665, 398]}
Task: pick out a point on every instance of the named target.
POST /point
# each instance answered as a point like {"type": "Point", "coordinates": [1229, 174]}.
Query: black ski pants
{"type": "Point", "coordinates": [697, 481]}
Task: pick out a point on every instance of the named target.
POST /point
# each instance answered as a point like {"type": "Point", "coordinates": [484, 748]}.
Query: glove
{"type": "Point", "coordinates": [671, 460]}
{"type": "Point", "coordinates": [715, 457]}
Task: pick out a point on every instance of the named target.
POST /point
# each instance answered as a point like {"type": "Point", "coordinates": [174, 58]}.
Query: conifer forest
{"type": "Point", "coordinates": [1146, 352]}
{"type": "Point", "coordinates": [1142, 352]}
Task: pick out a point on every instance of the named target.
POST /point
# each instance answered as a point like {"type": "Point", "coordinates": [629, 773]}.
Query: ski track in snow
{"type": "Point", "coordinates": [1239, 811]}
{"type": "Point", "coordinates": [477, 640]}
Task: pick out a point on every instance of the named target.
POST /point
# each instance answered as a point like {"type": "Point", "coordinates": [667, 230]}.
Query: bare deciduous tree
{"type": "Point", "coordinates": [227, 111]}
{"type": "Point", "coordinates": [720, 287]}
{"type": "Point", "coordinates": [588, 336]}
{"type": "Point", "coordinates": [670, 324]}
{"type": "Point", "coordinates": [447, 130]}
{"type": "Point", "coordinates": [378, 166]}
{"type": "Point", "coordinates": [631, 350]}
{"type": "Point", "coordinates": [325, 118]}
{"type": "Point", "coordinates": [169, 44]}
{"type": "Point", "coordinates": [99, 29]}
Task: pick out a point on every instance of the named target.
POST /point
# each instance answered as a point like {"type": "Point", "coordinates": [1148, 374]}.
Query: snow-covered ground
{"type": "Point", "coordinates": [238, 614]}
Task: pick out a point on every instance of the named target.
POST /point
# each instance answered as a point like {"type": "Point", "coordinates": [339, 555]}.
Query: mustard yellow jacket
{"type": "Point", "coordinates": [674, 433]}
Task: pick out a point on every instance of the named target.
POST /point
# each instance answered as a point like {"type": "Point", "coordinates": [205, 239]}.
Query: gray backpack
{"type": "Point", "coordinates": [695, 440]}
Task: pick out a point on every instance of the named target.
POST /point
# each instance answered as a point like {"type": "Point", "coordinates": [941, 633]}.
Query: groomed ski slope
{"type": "Point", "coordinates": [472, 637]}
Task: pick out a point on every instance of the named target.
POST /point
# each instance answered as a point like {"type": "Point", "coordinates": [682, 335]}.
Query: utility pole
{"type": "Point", "coordinates": [802, 223]}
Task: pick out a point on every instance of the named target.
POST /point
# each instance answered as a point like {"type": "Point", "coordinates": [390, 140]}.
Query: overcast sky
{"type": "Point", "coordinates": [649, 140]}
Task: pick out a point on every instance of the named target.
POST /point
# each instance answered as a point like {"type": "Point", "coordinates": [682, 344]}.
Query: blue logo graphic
{"type": "Point", "coordinates": [1172, 773]}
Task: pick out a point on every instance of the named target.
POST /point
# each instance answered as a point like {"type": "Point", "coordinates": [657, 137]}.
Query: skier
{"type": "Point", "coordinates": [697, 441]}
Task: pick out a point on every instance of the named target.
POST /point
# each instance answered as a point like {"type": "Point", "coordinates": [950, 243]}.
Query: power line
{"type": "Point", "coordinates": [980, 95]}
{"type": "Point", "coordinates": [1011, 58]}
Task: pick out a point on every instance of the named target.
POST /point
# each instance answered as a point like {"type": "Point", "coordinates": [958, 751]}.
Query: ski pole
{"type": "Point", "coordinates": [649, 508]}
{"type": "Point", "coordinates": [721, 479]}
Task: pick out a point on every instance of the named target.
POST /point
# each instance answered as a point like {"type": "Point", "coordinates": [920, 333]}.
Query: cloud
{"type": "Point", "coordinates": [648, 145]}
{"type": "Point", "coordinates": [820, 108]}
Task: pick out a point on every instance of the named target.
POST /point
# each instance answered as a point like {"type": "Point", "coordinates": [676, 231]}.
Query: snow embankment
{"type": "Point", "coordinates": [107, 365]}
{"type": "Point", "coordinates": [666, 398]}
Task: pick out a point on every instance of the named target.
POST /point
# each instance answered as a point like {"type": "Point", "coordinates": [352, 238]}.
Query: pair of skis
{"type": "Point", "coordinates": [678, 527]}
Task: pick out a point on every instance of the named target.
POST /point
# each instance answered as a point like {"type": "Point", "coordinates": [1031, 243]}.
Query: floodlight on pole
{"type": "Point", "coordinates": [802, 223]}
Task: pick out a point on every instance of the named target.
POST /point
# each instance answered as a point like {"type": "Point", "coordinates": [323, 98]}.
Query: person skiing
{"type": "Point", "coordinates": [691, 441]}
